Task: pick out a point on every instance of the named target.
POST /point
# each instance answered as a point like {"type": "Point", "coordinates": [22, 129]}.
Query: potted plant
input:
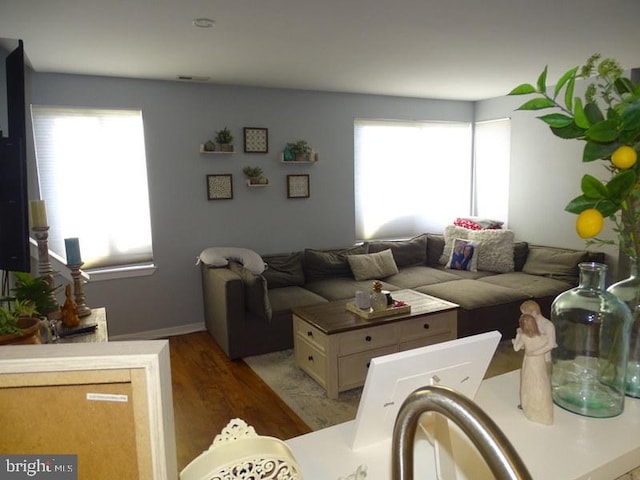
{"type": "Point", "coordinates": [224, 138]}
{"type": "Point", "coordinates": [254, 174]}
{"type": "Point", "coordinates": [19, 325]}
{"type": "Point", "coordinates": [37, 291]}
{"type": "Point", "coordinates": [301, 150]}
{"type": "Point", "coordinates": [209, 146]}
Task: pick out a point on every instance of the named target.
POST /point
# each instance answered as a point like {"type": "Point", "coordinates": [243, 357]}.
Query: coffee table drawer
{"type": "Point", "coordinates": [312, 361]}
{"type": "Point", "coordinates": [310, 333]}
{"type": "Point", "coordinates": [352, 369]}
{"type": "Point", "coordinates": [435, 325]}
{"type": "Point", "coordinates": [366, 339]}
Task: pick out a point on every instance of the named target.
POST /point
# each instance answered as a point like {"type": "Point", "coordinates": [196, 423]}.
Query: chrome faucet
{"type": "Point", "coordinates": [501, 457]}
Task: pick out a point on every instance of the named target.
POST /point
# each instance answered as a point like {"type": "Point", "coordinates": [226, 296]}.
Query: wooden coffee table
{"type": "Point", "coordinates": [334, 346]}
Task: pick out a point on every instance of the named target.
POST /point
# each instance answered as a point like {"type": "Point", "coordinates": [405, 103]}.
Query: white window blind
{"type": "Point", "coordinates": [410, 177]}
{"type": "Point", "coordinates": [492, 160]}
{"type": "Point", "coordinates": [92, 173]}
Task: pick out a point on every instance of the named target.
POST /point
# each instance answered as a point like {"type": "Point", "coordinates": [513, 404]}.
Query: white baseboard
{"type": "Point", "coordinates": [160, 333]}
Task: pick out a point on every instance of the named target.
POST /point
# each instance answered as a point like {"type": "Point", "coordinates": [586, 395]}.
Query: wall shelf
{"type": "Point", "coordinates": [214, 152]}
{"type": "Point", "coordinates": [313, 159]}
{"type": "Point", "coordinates": [249, 184]}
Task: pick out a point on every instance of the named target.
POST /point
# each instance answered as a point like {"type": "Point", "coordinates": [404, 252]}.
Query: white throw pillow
{"type": "Point", "coordinates": [494, 247]}
{"type": "Point", "coordinates": [220, 256]}
{"type": "Point", "coordinates": [372, 265]}
{"type": "Point", "coordinates": [464, 256]}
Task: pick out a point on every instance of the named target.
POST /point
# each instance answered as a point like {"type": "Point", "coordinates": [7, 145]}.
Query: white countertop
{"type": "Point", "coordinates": [573, 448]}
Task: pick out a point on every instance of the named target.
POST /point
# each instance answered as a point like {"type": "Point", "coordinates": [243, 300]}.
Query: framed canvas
{"type": "Point", "coordinates": [256, 140]}
{"type": "Point", "coordinates": [298, 186]}
{"type": "Point", "coordinates": [220, 187]}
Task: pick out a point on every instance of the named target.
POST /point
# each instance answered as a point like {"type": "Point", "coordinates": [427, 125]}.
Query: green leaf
{"type": "Point", "coordinates": [605, 131]}
{"type": "Point", "coordinates": [542, 81]}
{"type": "Point", "coordinates": [580, 204]}
{"type": "Point", "coordinates": [578, 113]}
{"type": "Point", "coordinates": [630, 117]}
{"type": "Point", "coordinates": [568, 93]}
{"type": "Point", "coordinates": [523, 89]}
{"type": "Point", "coordinates": [595, 151]}
{"type": "Point", "coordinates": [593, 188]}
{"type": "Point", "coordinates": [537, 104]}
{"type": "Point", "coordinates": [557, 120]}
{"type": "Point", "coordinates": [593, 113]}
{"type": "Point", "coordinates": [623, 85]}
{"type": "Point", "coordinates": [568, 132]}
{"type": "Point", "coordinates": [570, 74]}
{"type": "Point", "coordinates": [621, 184]}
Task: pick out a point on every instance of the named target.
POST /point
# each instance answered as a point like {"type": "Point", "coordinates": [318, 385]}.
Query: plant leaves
{"type": "Point", "coordinates": [578, 114]}
{"type": "Point", "coordinates": [557, 120]}
{"type": "Point", "coordinates": [568, 132]}
{"type": "Point", "coordinates": [623, 85]}
{"type": "Point", "coordinates": [593, 113]}
{"type": "Point", "coordinates": [542, 81]}
{"type": "Point", "coordinates": [593, 188]}
{"type": "Point", "coordinates": [580, 204]}
{"type": "Point", "coordinates": [568, 93]}
{"type": "Point", "coordinates": [621, 184]}
{"type": "Point", "coordinates": [569, 74]}
{"type": "Point", "coordinates": [523, 89]}
{"type": "Point", "coordinates": [605, 131]}
{"type": "Point", "coordinates": [630, 117]}
{"type": "Point", "coordinates": [537, 104]}
{"type": "Point", "coordinates": [595, 151]}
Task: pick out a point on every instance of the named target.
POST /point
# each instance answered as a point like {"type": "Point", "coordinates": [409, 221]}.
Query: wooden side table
{"type": "Point", "coordinates": [99, 335]}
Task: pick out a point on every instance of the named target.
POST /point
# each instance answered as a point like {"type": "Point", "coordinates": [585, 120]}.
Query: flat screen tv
{"type": "Point", "coordinates": [14, 213]}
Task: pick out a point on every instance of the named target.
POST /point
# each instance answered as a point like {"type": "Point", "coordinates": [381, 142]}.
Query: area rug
{"type": "Point", "coordinates": [309, 400]}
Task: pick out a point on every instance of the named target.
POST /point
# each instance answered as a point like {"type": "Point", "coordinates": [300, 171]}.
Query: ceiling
{"type": "Point", "coordinates": [453, 49]}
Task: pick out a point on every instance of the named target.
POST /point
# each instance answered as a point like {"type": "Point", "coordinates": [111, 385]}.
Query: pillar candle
{"type": "Point", "coordinates": [38, 214]}
{"type": "Point", "coordinates": [72, 247]}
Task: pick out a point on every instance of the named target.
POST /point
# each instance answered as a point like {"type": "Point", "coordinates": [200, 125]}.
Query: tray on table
{"type": "Point", "coordinates": [387, 312]}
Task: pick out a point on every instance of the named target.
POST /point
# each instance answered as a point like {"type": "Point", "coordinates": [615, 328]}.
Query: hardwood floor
{"type": "Point", "coordinates": [209, 390]}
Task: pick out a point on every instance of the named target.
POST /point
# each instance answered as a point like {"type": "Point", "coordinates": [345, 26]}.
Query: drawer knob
{"type": "Point", "coordinates": [310, 358]}
{"type": "Point", "coordinates": [368, 338]}
{"type": "Point", "coordinates": [309, 333]}
{"type": "Point", "coordinates": [426, 326]}
{"type": "Point", "coordinates": [368, 364]}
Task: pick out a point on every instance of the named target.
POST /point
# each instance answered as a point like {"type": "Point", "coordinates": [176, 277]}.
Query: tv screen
{"type": "Point", "coordinates": [14, 214]}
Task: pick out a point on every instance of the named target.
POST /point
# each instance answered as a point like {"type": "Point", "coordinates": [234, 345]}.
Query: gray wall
{"type": "Point", "coordinates": [180, 116]}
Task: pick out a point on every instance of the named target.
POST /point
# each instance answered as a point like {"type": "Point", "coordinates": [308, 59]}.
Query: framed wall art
{"type": "Point", "coordinates": [220, 187]}
{"type": "Point", "coordinates": [256, 140]}
{"type": "Point", "coordinates": [298, 186]}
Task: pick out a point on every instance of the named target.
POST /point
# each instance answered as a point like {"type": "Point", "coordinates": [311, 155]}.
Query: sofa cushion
{"type": "Point", "coordinates": [435, 247]}
{"type": "Point", "coordinates": [495, 247]}
{"type": "Point", "coordinates": [419, 275]}
{"type": "Point", "coordinates": [256, 299]}
{"type": "Point", "coordinates": [464, 256]}
{"type": "Point", "coordinates": [558, 263]}
{"type": "Point", "coordinates": [320, 264]}
{"type": "Point", "coordinates": [371, 266]}
{"type": "Point", "coordinates": [520, 253]}
{"type": "Point", "coordinates": [471, 294]}
{"type": "Point", "coordinates": [533, 285]}
{"type": "Point", "coordinates": [284, 270]}
{"type": "Point", "coordinates": [343, 287]}
{"type": "Point", "coordinates": [286, 298]}
{"type": "Point", "coordinates": [405, 252]}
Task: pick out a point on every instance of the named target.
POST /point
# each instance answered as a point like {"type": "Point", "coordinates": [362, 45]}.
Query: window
{"type": "Point", "coordinates": [410, 177]}
{"type": "Point", "coordinates": [492, 158]}
{"type": "Point", "coordinates": [92, 173]}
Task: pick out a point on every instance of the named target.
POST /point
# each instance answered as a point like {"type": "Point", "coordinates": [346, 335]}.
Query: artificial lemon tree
{"type": "Point", "coordinates": [608, 121]}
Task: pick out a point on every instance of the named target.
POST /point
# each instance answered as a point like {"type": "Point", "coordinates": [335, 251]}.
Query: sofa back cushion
{"type": "Point", "coordinates": [370, 266]}
{"type": "Point", "coordinates": [284, 270]}
{"type": "Point", "coordinates": [322, 264]}
{"type": "Point", "coordinates": [552, 262]}
{"type": "Point", "coordinates": [405, 252]}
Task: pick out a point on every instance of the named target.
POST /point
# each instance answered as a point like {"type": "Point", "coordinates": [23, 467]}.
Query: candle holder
{"type": "Point", "coordinates": [45, 270]}
{"type": "Point", "coordinates": [81, 309]}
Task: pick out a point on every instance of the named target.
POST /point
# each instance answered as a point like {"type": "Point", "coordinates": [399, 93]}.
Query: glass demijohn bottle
{"type": "Point", "coordinates": [592, 329]}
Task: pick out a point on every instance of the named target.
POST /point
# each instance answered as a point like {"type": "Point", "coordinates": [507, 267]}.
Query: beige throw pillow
{"type": "Point", "coordinates": [495, 247]}
{"type": "Point", "coordinates": [373, 265]}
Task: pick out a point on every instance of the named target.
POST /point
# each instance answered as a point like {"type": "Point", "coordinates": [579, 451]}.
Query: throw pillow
{"type": "Point", "coordinates": [463, 256]}
{"type": "Point", "coordinates": [284, 270]}
{"type": "Point", "coordinates": [405, 252]}
{"type": "Point", "coordinates": [322, 264]}
{"type": "Point", "coordinates": [373, 265]}
{"type": "Point", "coordinates": [451, 232]}
{"type": "Point", "coordinates": [256, 298]}
{"type": "Point", "coordinates": [558, 263]}
{"type": "Point", "coordinates": [495, 250]}
{"type": "Point", "coordinates": [220, 257]}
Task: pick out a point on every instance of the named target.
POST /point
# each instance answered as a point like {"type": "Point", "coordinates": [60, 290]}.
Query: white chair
{"type": "Point", "coordinates": [238, 453]}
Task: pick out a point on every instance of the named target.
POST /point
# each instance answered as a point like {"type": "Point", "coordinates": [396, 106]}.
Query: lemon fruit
{"type": "Point", "coordinates": [624, 157]}
{"type": "Point", "coordinates": [589, 223]}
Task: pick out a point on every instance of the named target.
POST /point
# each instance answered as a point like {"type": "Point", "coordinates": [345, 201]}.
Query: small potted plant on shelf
{"type": "Point", "coordinates": [209, 146]}
{"type": "Point", "coordinates": [299, 151]}
{"type": "Point", "coordinates": [19, 323]}
{"type": "Point", "coordinates": [35, 290]}
{"type": "Point", "coordinates": [224, 138]}
{"type": "Point", "coordinates": [254, 174]}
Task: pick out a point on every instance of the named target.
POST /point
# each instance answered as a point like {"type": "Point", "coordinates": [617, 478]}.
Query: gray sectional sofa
{"type": "Point", "coordinates": [250, 314]}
